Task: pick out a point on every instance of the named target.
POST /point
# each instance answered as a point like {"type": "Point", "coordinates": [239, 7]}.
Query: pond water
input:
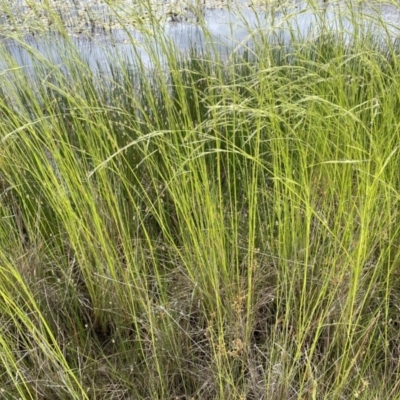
{"type": "Point", "coordinates": [228, 27]}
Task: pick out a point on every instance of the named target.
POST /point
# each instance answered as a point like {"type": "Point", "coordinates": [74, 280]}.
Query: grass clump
{"type": "Point", "coordinates": [220, 229]}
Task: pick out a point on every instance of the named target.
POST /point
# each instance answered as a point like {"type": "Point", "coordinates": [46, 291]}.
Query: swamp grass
{"type": "Point", "coordinates": [224, 230]}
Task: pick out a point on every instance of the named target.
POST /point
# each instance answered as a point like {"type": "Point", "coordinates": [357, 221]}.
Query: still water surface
{"type": "Point", "coordinates": [228, 27]}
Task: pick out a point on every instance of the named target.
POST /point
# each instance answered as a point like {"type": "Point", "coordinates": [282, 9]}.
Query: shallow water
{"type": "Point", "coordinates": [228, 29]}
{"type": "Point", "coordinates": [83, 16]}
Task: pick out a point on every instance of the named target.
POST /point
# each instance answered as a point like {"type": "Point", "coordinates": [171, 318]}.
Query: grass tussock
{"type": "Point", "coordinates": [220, 229]}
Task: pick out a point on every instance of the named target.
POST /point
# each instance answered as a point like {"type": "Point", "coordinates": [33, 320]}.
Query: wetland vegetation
{"type": "Point", "coordinates": [223, 228]}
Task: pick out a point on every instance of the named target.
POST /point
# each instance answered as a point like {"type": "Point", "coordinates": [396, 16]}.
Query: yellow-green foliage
{"type": "Point", "coordinates": [217, 229]}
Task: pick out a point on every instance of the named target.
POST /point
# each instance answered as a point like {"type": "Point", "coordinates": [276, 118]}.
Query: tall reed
{"type": "Point", "coordinates": [209, 228]}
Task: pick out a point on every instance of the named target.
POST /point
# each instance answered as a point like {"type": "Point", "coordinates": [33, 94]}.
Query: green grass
{"type": "Point", "coordinates": [223, 229]}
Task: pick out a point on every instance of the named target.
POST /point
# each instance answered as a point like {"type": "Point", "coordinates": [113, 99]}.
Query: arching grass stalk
{"type": "Point", "coordinates": [212, 228]}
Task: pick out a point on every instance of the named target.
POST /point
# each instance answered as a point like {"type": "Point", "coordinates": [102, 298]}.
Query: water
{"type": "Point", "coordinates": [226, 30]}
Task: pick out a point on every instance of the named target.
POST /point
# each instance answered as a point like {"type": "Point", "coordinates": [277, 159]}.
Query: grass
{"type": "Point", "coordinates": [220, 229]}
